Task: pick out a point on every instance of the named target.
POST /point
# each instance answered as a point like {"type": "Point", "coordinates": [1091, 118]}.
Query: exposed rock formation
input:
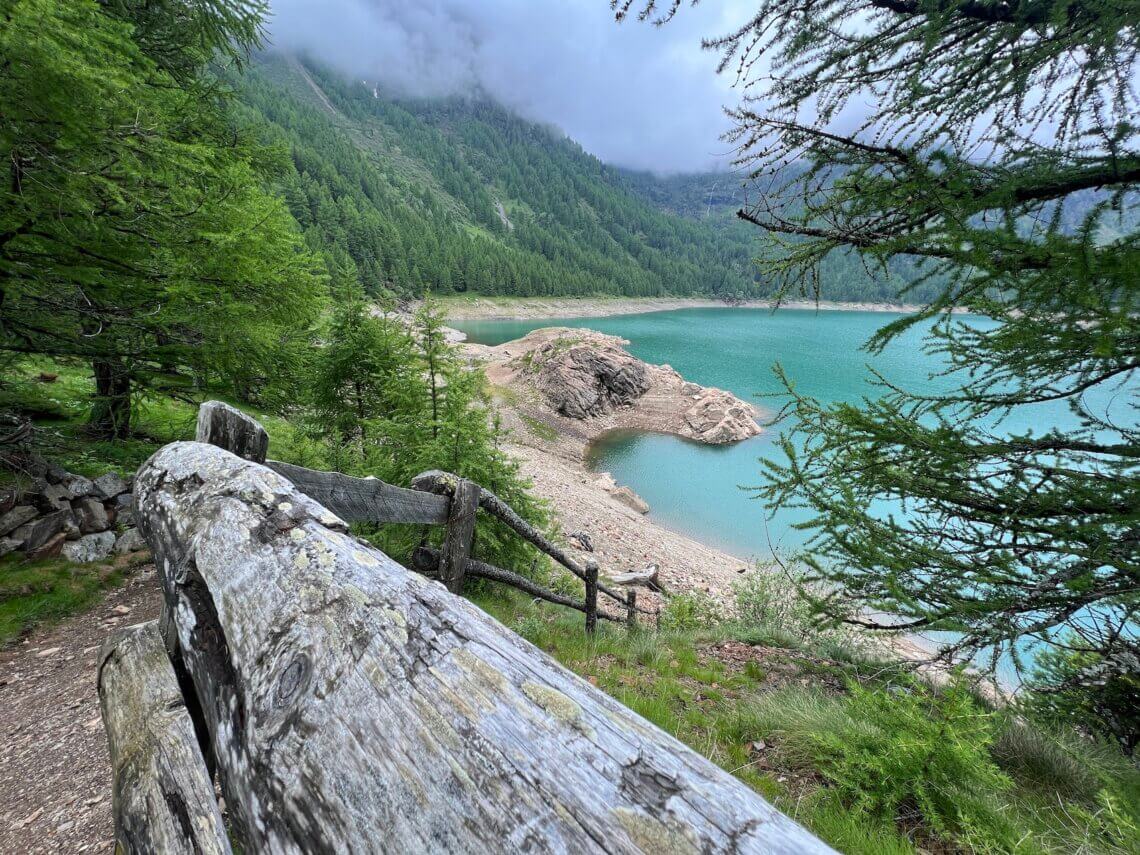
{"type": "Point", "coordinates": [586, 380]}
{"type": "Point", "coordinates": [590, 384]}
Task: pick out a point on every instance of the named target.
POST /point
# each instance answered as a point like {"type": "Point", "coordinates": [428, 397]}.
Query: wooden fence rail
{"type": "Point", "coordinates": [349, 705]}
{"type": "Point", "coordinates": [436, 498]}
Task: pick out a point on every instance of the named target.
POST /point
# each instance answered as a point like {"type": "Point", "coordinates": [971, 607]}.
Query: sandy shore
{"type": "Point", "coordinates": [530, 308]}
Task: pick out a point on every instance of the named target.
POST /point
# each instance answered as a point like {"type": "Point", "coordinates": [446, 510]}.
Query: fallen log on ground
{"type": "Point", "coordinates": [354, 706]}
{"type": "Point", "coordinates": [163, 795]}
{"type": "Point", "coordinates": [647, 577]}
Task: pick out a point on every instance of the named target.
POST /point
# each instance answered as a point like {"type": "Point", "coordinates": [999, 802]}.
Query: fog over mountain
{"type": "Point", "coordinates": [632, 94]}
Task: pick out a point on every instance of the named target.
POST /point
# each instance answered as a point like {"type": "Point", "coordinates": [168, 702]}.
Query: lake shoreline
{"type": "Point", "coordinates": [556, 308]}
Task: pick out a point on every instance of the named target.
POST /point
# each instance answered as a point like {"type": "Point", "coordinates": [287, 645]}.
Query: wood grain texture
{"type": "Point", "coordinates": [229, 428]}
{"type": "Point", "coordinates": [366, 499]}
{"type": "Point", "coordinates": [355, 706]}
{"type": "Point", "coordinates": [163, 797]}
{"type": "Point", "coordinates": [460, 534]}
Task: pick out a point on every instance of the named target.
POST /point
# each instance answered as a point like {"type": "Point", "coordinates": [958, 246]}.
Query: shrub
{"type": "Point", "coordinates": [690, 611]}
{"type": "Point", "coordinates": [1073, 688]}
{"type": "Point", "coordinates": [1053, 762]}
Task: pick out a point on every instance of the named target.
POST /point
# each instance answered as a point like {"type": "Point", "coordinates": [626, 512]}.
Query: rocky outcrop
{"type": "Point", "coordinates": [586, 380]}
{"type": "Point", "coordinates": [590, 378]}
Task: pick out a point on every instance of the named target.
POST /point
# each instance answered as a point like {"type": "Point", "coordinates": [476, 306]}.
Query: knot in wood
{"type": "Point", "coordinates": [291, 680]}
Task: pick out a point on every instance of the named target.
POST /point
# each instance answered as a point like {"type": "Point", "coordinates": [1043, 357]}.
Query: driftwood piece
{"type": "Point", "coordinates": [647, 577]}
{"type": "Point", "coordinates": [163, 796]}
{"type": "Point", "coordinates": [426, 560]}
{"type": "Point", "coordinates": [366, 499]}
{"type": "Point", "coordinates": [229, 428]}
{"type": "Point", "coordinates": [355, 706]}
{"type": "Point", "coordinates": [460, 534]}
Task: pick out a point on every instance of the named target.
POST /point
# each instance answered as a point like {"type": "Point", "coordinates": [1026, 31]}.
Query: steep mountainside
{"type": "Point", "coordinates": [459, 194]}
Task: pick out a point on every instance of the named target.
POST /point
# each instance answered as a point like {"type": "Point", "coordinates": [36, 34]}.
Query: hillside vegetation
{"type": "Point", "coordinates": [459, 195]}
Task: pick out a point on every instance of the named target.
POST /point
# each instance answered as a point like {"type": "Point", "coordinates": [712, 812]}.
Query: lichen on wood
{"type": "Point", "coordinates": [355, 706]}
{"type": "Point", "coordinates": [163, 795]}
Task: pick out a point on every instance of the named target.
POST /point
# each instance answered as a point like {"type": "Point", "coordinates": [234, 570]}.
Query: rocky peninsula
{"type": "Point", "coordinates": [557, 390]}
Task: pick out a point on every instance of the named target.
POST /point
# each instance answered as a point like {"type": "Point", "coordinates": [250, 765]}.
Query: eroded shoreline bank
{"type": "Point", "coordinates": [552, 308]}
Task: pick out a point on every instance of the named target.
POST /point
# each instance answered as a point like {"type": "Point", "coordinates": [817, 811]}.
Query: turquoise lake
{"type": "Point", "coordinates": [699, 489]}
{"type": "Point", "coordinates": [695, 488]}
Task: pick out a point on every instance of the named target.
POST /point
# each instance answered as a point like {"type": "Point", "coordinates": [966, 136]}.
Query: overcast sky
{"type": "Point", "coordinates": [632, 94]}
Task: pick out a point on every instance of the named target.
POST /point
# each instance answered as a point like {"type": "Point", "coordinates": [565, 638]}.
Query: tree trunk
{"type": "Point", "coordinates": [111, 413]}
{"type": "Point", "coordinates": [354, 706]}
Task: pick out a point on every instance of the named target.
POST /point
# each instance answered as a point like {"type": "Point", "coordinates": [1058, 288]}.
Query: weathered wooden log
{"type": "Point", "coordinates": [366, 499]}
{"type": "Point", "coordinates": [229, 428]}
{"type": "Point", "coordinates": [163, 796]}
{"type": "Point", "coordinates": [460, 534]}
{"type": "Point", "coordinates": [355, 706]}
{"type": "Point", "coordinates": [647, 577]}
{"type": "Point", "coordinates": [426, 560]}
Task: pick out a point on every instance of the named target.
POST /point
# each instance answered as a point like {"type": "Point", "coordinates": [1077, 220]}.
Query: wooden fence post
{"type": "Point", "coordinates": [229, 428]}
{"type": "Point", "coordinates": [591, 596]}
{"type": "Point", "coordinates": [631, 609]}
{"type": "Point", "coordinates": [460, 534]}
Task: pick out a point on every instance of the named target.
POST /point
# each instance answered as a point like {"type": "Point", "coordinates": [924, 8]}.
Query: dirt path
{"type": "Point", "coordinates": [55, 778]}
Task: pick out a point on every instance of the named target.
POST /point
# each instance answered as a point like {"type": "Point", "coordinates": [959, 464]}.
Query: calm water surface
{"type": "Point", "coordinates": [695, 488]}
{"type": "Point", "coordinates": [701, 490]}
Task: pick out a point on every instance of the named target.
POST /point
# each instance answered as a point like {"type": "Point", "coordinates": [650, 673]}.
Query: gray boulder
{"type": "Point", "coordinates": [130, 540]}
{"type": "Point", "coordinates": [39, 531]}
{"type": "Point", "coordinates": [17, 517]}
{"type": "Point", "coordinates": [52, 497]}
{"type": "Point", "coordinates": [109, 486]}
{"type": "Point", "coordinates": [78, 486]}
{"type": "Point", "coordinates": [586, 380]}
{"type": "Point", "coordinates": [124, 508]}
{"type": "Point", "coordinates": [89, 548]}
{"type": "Point", "coordinates": [8, 544]}
{"type": "Point", "coordinates": [631, 500]}
{"type": "Point", "coordinates": [91, 514]}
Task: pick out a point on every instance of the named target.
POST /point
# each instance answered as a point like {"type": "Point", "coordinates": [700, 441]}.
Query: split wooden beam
{"type": "Point", "coordinates": [354, 706]}
{"type": "Point", "coordinates": [460, 534]}
{"type": "Point", "coordinates": [162, 793]}
{"type": "Point", "coordinates": [366, 500]}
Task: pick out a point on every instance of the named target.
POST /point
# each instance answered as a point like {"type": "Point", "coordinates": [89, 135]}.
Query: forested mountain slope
{"type": "Point", "coordinates": [459, 194]}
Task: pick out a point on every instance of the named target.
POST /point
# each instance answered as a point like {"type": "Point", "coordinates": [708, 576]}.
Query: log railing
{"type": "Point", "coordinates": [435, 498]}
{"type": "Point", "coordinates": [346, 704]}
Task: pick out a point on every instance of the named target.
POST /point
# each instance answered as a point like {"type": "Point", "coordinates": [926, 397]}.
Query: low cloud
{"type": "Point", "coordinates": [633, 94]}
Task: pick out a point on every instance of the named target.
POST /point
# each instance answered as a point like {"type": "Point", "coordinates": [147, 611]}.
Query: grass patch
{"type": "Point", "coordinates": [60, 408]}
{"type": "Point", "coordinates": [868, 758]}
{"type": "Point", "coordinates": [43, 592]}
{"type": "Point", "coordinates": [539, 428]}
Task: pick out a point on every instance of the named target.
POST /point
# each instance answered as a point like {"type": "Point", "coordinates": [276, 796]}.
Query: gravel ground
{"type": "Point", "coordinates": [55, 776]}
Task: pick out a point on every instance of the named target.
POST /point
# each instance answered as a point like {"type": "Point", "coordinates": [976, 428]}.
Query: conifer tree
{"type": "Point", "coordinates": [994, 146]}
{"type": "Point", "coordinates": [136, 230]}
